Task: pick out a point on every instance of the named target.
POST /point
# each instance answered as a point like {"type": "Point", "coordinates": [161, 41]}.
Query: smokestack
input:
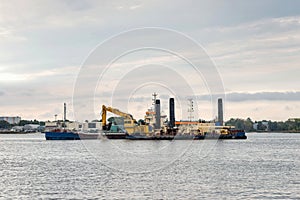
{"type": "Point", "coordinates": [172, 112]}
{"type": "Point", "coordinates": [65, 111]}
{"type": "Point", "coordinates": [220, 111]}
{"type": "Point", "coordinates": [157, 114]}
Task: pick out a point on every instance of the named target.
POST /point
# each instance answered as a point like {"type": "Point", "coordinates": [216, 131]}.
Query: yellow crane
{"type": "Point", "coordinates": [130, 124]}
{"type": "Point", "coordinates": [129, 121]}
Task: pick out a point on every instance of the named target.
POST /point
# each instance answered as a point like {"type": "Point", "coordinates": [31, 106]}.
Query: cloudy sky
{"type": "Point", "coordinates": [255, 46]}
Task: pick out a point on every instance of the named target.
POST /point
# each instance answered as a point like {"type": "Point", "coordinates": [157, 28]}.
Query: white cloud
{"type": "Point", "coordinates": [33, 15]}
{"type": "Point", "coordinates": [12, 77]}
{"type": "Point", "coordinates": [263, 53]}
{"type": "Point", "coordinates": [255, 51]}
{"type": "Point", "coordinates": [7, 35]}
{"type": "Point", "coordinates": [6, 75]}
{"type": "Point", "coordinates": [260, 110]}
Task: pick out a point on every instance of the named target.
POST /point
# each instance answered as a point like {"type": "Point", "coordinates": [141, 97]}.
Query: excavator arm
{"type": "Point", "coordinates": [115, 111]}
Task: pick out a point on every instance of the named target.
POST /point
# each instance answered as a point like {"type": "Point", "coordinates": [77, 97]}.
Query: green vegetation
{"type": "Point", "coordinates": [247, 124]}
{"type": "Point", "coordinates": [23, 122]}
{"type": "Point", "coordinates": [5, 125]}
{"type": "Point", "coordinates": [291, 125]}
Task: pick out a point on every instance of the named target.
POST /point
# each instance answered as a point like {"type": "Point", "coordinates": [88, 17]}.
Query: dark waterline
{"type": "Point", "coordinates": [265, 166]}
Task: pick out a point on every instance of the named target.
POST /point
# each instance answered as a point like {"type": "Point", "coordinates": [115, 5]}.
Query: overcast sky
{"type": "Point", "coordinates": [255, 46]}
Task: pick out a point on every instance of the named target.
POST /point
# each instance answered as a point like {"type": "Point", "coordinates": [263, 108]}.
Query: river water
{"type": "Point", "coordinates": [265, 166]}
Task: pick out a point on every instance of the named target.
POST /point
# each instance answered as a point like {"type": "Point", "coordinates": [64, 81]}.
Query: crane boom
{"type": "Point", "coordinates": [115, 111]}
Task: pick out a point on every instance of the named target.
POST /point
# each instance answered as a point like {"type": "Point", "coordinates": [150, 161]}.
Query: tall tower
{"type": "Point", "coordinates": [172, 112]}
{"type": "Point", "coordinates": [157, 114]}
{"type": "Point", "coordinates": [220, 111]}
{"type": "Point", "coordinates": [65, 111]}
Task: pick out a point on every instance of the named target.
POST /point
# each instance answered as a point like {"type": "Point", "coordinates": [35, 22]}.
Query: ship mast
{"type": "Point", "coordinates": [191, 109]}
{"type": "Point", "coordinates": [154, 98]}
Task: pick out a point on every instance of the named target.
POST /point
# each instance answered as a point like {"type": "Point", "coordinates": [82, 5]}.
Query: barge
{"type": "Point", "coordinates": [59, 134]}
{"type": "Point", "coordinates": [153, 127]}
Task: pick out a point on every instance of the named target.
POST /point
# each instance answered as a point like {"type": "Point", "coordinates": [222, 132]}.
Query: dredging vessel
{"type": "Point", "coordinates": [126, 127]}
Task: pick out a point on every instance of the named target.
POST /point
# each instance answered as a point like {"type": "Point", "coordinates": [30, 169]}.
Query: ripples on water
{"type": "Point", "coordinates": [265, 166]}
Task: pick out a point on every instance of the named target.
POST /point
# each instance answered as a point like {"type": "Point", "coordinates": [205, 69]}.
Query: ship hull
{"type": "Point", "coordinates": [61, 136]}
{"type": "Point", "coordinates": [71, 136]}
{"type": "Point", "coordinates": [185, 137]}
{"type": "Point", "coordinates": [115, 135]}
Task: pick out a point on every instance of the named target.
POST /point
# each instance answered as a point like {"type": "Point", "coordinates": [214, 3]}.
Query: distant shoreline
{"type": "Point", "coordinates": [273, 132]}
{"type": "Point", "coordinates": [22, 133]}
{"type": "Point", "coordinates": [10, 132]}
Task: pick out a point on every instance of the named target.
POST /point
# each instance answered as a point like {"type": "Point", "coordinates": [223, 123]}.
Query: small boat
{"type": "Point", "coordinates": [61, 134]}
{"type": "Point", "coordinates": [58, 134]}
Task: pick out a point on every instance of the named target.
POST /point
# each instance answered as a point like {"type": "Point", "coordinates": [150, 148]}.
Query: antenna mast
{"type": "Point", "coordinates": [191, 109]}
{"type": "Point", "coordinates": [154, 98]}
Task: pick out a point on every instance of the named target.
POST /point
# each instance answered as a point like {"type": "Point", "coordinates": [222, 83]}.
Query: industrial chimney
{"type": "Point", "coordinates": [220, 111]}
{"type": "Point", "coordinates": [65, 112]}
{"type": "Point", "coordinates": [157, 114]}
{"type": "Point", "coordinates": [172, 112]}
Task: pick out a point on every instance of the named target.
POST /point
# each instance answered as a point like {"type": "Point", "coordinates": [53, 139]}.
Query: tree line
{"type": "Point", "coordinates": [5, 125]}
{"type": "Point", "coordinates": [291, 125]}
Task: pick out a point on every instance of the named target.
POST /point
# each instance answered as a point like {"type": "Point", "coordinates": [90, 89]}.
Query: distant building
{"type": "Point", "coordinates": [255, 125]}
{"type": "Point", "coordinates": [70, 125]}
{"type": "Point", "coordinates": [50, 125]}
{"type": "Point", "coordinates": [31, 127]}
{"type": "Point", "coordinates": [294, 119]}
{"type": "Point", "coordinates": [11, 120]}
{"type": "Point", "coordinates": [92, 126]}
{"type": "Point", "coordinates": [17, 128]}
